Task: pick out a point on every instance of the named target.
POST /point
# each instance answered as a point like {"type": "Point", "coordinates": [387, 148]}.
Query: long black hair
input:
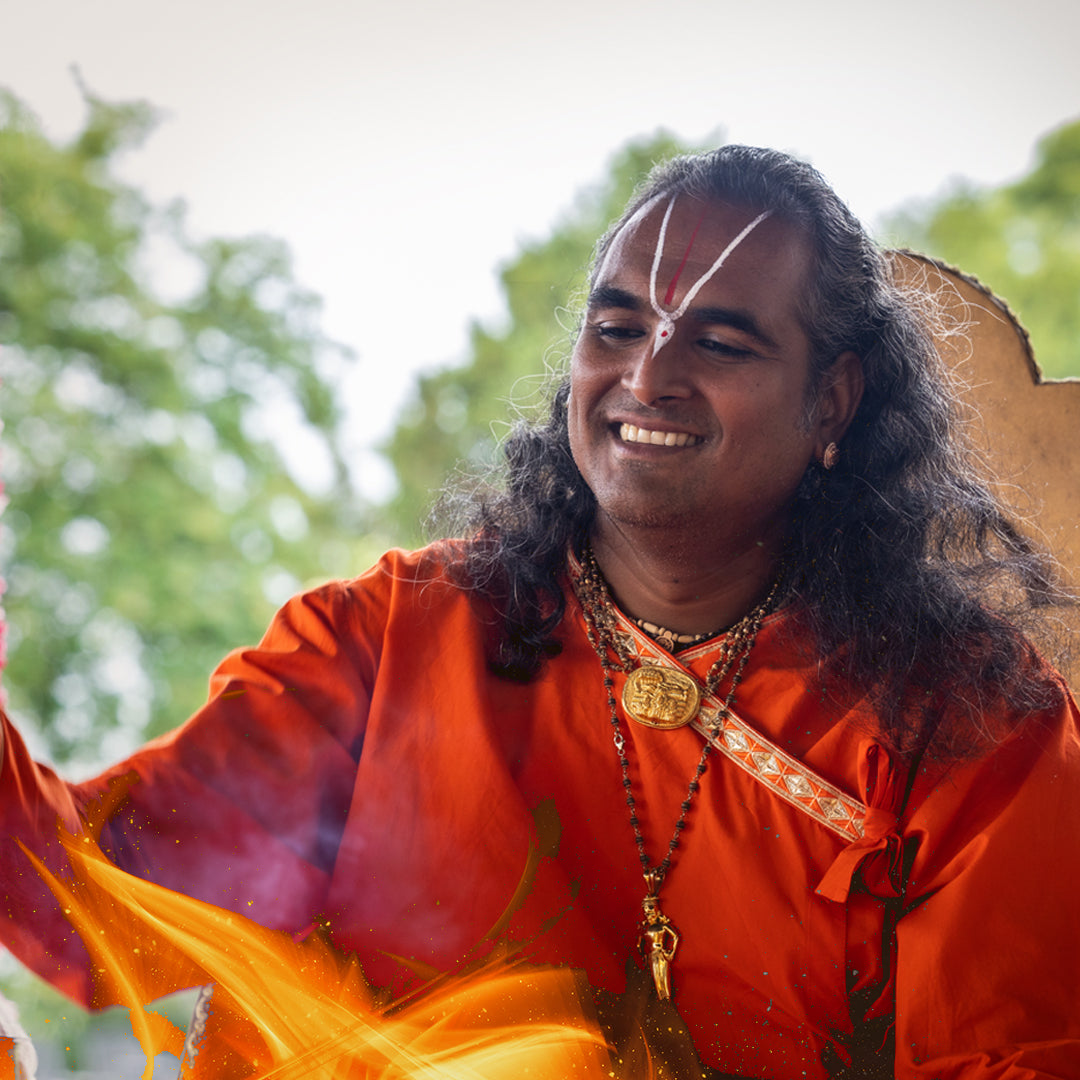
{"type": "Point", "coordinates": [910, 579]}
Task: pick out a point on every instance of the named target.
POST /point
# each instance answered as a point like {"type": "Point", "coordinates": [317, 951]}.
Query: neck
{"type": "Point", "coordinates": [687, 587]}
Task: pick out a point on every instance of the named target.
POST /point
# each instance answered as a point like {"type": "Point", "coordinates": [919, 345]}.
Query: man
{"type": "Point", "coordinates": [729, 643]}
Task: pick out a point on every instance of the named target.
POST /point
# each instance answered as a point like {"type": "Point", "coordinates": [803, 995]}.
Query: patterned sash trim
{"type": "Point", "coordinates": [747, 748]}
{"type": "Point", "coordinates": [787, 777]}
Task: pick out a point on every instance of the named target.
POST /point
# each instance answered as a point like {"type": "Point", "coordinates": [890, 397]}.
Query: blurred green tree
{"type": "Point", "coordinates": [1022, 240]}
{"type": "Point", "coordinates": [153, 522]}
{"type": "Point", "coordinates": [456, 416]}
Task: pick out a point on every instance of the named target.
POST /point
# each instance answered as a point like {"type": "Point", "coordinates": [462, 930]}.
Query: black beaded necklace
{"type": "Point", "coordinates": [658, 939]}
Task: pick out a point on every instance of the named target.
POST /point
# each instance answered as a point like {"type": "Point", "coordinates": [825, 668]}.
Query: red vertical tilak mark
{"type": "Point", "coordinates": [670, 294]}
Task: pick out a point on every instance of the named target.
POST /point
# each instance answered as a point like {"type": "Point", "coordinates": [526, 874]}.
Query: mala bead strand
{"type": "Point", "coordinates": [658, 938]}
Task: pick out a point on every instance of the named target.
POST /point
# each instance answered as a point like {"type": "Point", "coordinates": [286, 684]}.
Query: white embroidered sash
{"type": "Point", "coordinates": [749, 750]}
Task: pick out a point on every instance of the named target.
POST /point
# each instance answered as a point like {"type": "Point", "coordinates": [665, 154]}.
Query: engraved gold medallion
{"type": "Point", "coordinates": [661, 697]}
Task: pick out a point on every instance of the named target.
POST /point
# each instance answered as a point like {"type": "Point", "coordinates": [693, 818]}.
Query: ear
{"type": "Point", "coordinates": [839, 397]}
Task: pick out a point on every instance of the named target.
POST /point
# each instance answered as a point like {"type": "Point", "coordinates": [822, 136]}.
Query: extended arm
{"type": "Point", "coordinates": [242, 806]}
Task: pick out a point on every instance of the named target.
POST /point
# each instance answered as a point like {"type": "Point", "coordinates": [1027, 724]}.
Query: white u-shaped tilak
{"type": "Point", "coordinates": [666, 326]}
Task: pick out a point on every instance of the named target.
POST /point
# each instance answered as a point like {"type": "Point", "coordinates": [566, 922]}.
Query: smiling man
{"type": "Point", "coordinates": [693, 422]}
{"type": "Point", "coordinates": [726, 652]}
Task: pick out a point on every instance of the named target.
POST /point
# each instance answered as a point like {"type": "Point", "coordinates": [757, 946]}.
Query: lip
{"type": "Point", "coordinates": [630, 434]}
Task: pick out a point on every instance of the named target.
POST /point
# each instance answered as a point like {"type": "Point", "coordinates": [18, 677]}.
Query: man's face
{"type": "Point", "coordinates": [710, 430]}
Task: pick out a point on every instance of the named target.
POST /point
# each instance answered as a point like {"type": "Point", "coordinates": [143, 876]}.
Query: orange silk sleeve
{"type": "Point", "coordinates": [243, 806]}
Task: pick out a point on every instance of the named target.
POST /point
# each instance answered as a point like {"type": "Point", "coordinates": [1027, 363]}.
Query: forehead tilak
{"type": "Point", "coordinates": [667, 319]}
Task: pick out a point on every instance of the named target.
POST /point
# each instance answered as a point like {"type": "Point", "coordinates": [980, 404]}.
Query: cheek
{"type": "Point", "coordinates": [576, 412]}
{"type": "Point", "coordinates": [585, 391]}
{"type": "Point", "coordinates": [581, 370]}
{"type": "Point", "coordinates": [772, 437]}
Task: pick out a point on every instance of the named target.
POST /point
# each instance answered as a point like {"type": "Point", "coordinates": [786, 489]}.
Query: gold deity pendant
{"type": "Point", "coordinates": [658, 941]}
{"type": "Point", "coordinates": [661, 697]}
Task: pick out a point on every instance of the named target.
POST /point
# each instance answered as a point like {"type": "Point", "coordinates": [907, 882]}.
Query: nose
{"type": "Point", "coordinates": [654, 376]}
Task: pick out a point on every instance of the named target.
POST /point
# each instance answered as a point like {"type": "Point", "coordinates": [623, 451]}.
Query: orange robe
{"type": "Point", "coordinates": [362, 764]}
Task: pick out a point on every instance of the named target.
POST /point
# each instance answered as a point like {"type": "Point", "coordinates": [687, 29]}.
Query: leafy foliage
{"type": "Point", "coordinates": [153, 523]}
{"type": "Point", "coordinates": [1022, 240]}
{"type": "Point", "coordinates": [456, 414]}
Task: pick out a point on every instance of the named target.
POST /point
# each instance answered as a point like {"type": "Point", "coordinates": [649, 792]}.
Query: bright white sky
{"type": "Point", "coordinates": [404, 148]}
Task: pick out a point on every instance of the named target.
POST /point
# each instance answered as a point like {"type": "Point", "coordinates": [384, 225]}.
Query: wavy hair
{"type": "Point", "coordinates": [911, 580]}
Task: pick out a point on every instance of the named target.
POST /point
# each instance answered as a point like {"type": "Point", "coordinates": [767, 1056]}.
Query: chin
{"type": "Point", "coordinates": [649, 515]}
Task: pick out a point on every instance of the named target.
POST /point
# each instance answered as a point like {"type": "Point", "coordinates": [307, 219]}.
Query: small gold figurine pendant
{"type": "Point", "coordinates": [658, 942]}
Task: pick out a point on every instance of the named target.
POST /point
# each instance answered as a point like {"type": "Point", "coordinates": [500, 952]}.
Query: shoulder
{"type": "Point", "coordinates": [1009, 700]}
{"type": "Point", "coordinates": [329, 615]}
{"type": "Point", "coordinates": [341, 630]}
{"type": "Point", "coordinates": [1024, 779]}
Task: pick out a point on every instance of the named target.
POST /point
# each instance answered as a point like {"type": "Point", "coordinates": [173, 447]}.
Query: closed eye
{"type": "Point", "coordinates": [616, 333]}
{"type": "Point", "coordinates": [723, 349]}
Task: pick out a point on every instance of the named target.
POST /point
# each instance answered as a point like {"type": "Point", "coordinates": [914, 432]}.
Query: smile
{"type": "Point", "coordinates": [631, 433]}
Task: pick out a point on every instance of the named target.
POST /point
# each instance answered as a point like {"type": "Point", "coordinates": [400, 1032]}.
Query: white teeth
{"type": "Point", "coordinates": [631, 433]}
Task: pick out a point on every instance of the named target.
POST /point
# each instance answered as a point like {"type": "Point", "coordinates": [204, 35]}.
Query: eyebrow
{"type": "Point", "coordinates": [611, 296]}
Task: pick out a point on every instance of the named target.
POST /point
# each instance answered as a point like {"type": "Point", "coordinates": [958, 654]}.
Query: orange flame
{"type": "Point", "coordinates": [283, 1010]}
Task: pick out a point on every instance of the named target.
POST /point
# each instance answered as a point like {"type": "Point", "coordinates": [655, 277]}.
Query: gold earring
{"type": "Point", "coordinates": [830, 457]}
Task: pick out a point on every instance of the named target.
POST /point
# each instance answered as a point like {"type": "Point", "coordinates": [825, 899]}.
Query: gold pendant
{"type": "Point", "coordinates": [658, 942]}
{"type": "Point", "coordinates": [660, 697]}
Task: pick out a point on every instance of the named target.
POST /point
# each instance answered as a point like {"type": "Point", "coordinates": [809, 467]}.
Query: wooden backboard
{"type": "Point", "coordinates": [1027, 428]}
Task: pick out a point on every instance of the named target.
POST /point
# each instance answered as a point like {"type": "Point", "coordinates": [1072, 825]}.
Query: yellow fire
{"type": "Point", "coordinates": [287, 1010]}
